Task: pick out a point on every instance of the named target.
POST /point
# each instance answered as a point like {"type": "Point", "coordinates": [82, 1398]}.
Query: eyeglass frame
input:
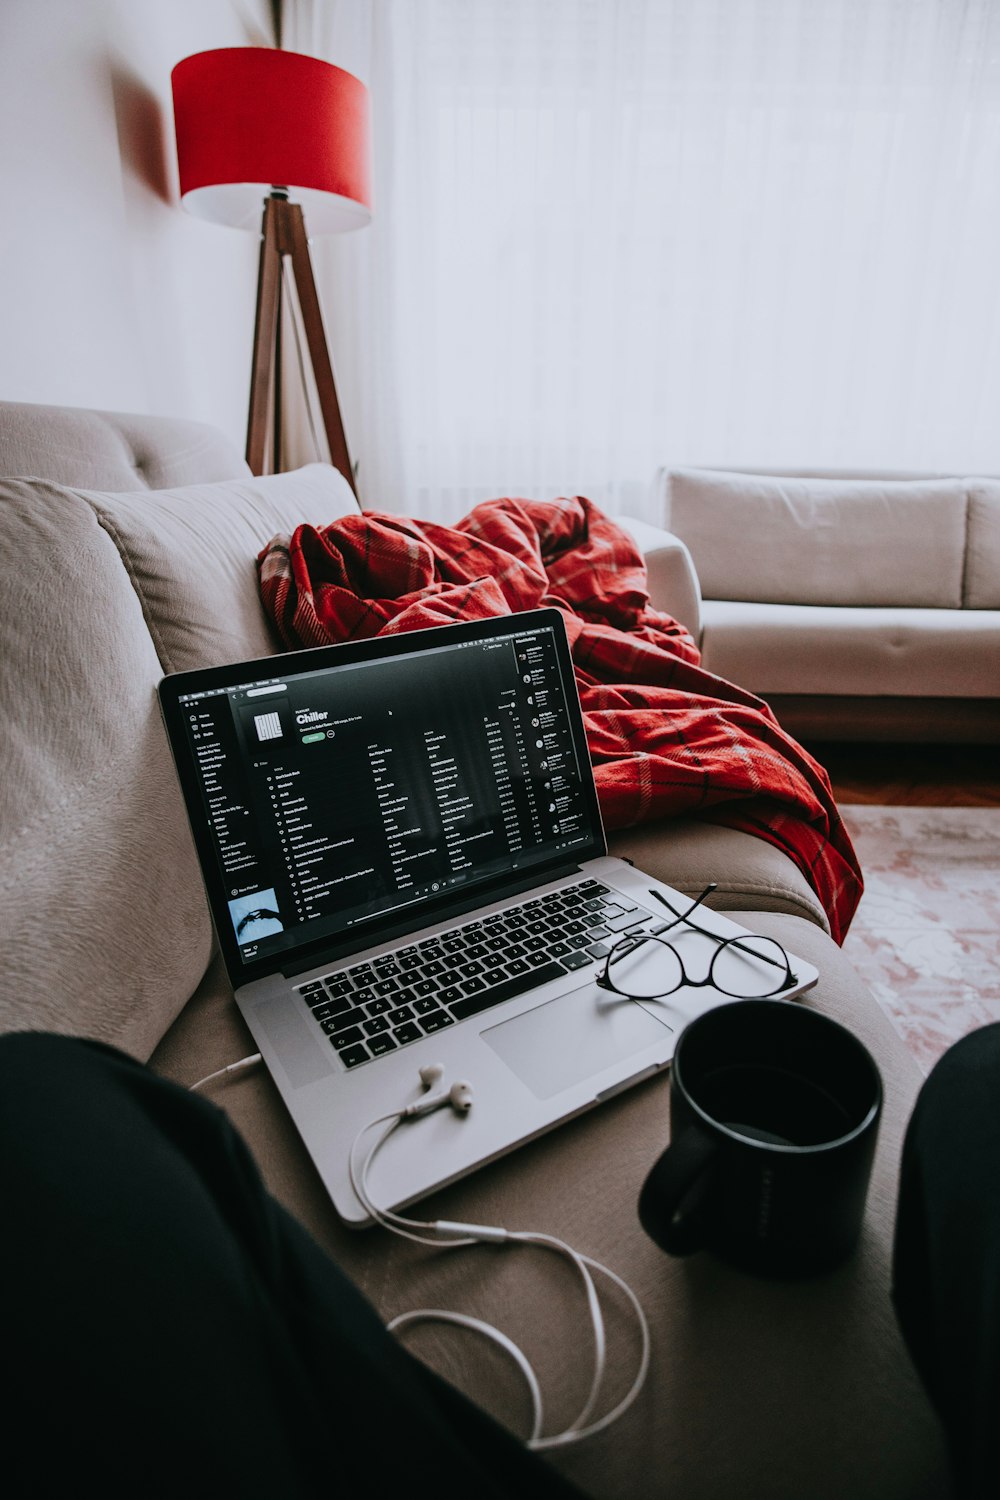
{"type": "Point", "coordinates": [605, 982]}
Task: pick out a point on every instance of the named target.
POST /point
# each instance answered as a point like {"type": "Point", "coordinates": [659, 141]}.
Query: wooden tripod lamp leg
{"type": "Point", "coordinates": [284, 233]}
{"type": "Point", "coordinates": [265, 329]}
{"type": "Point", "coordinates": [319, 353]}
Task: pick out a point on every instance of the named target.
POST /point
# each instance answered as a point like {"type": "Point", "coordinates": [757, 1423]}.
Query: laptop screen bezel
{"type": "Point", "coordinates": [178, 685]}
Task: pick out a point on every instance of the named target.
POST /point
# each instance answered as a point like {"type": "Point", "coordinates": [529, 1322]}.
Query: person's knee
{"type": "Point", "coordinates": [49, 1085]}
{"type": "Point", "coordinates": [962, 1089]}
{"type": "Point", "coordinates": [32, 1061]}
{"type": "Point", "coordinates": [974, 1055]}
{"type": "Point", "coordinates": [952, 1145]}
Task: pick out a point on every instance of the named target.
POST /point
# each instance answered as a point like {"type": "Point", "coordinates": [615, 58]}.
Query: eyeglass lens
{"type": "Point", "coordinates": [748, 967]}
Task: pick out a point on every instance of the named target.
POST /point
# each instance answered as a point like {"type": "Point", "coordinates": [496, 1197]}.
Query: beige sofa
{"type": "Point", "coordinates": [129, 550]}
{"type": "Point", "coordinates": [860, 607]}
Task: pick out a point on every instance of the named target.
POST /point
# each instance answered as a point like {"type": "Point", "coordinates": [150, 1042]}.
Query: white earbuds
{"type": "Point", "coordinates": [459, 1096]}
{"type": "Point", "coordinates": [447, 1233]}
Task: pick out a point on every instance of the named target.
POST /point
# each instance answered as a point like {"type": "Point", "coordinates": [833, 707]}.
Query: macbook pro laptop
{"type": "Point", "coordinates": [403, 853]}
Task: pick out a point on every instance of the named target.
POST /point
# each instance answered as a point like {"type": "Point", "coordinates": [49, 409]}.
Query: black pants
{"type": "Point", "coordinates": [169, 1330]}
{"type": "Point", "coordinates": [947, 1256]}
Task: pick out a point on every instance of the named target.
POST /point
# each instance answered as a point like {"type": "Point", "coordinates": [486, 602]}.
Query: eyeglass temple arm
{"type": "Point", "coordinates": [682, 916]}
{"type": "Point", "coordinates": [735, 942]}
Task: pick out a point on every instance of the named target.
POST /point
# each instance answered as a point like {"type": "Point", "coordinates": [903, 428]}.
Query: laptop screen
{"type": "Point", "coordinates": [341, 795]}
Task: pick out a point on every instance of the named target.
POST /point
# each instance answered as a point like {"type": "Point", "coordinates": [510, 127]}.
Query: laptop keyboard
{"type": "Point", "coordinates": [370, 1009]}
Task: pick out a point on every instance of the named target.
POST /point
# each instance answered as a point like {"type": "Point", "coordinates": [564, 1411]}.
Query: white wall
{"type": "Point", "coordinates": [110, 295]}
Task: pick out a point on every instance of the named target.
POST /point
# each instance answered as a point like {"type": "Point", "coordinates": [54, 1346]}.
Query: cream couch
{"type": "Point", "coordinates": [129, 550]}
{"type": "Point", "coordinates": [859, 607]}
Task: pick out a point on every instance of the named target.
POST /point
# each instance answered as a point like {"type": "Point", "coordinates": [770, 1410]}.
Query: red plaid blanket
{"type": "Point", "coordinates": [665, 736]}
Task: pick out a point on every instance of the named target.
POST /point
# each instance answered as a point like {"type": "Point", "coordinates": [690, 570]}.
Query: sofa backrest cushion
{"type": "Point", "coordinates": [784, 540]}
{"type": "Point", "coordinates": [191, 555]}
{"type": "Point", "coordinates": [106, 930]}
{"type": "Point", "coordinates": [112, 450]}
{"type": "Point", "coordinates": [982, 561]}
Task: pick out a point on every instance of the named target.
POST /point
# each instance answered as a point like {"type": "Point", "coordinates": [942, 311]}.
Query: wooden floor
{"type": "Point", "coordinates": [912, 775]}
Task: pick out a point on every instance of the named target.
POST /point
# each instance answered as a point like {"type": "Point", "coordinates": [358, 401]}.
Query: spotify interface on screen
{"type": "Point", "coordinates": [337, 798]}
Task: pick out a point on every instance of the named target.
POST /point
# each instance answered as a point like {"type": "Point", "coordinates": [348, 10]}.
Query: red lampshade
{"type": "Point", "coordinates": [252, 118]}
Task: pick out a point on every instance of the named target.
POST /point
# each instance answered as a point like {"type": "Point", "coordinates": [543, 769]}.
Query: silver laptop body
{"type": "Point", "coordinates": [403, 852]}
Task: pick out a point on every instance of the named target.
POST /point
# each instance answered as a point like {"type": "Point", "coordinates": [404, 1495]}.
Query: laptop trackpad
{"type": "Point", "coordinates": [558, 1044]}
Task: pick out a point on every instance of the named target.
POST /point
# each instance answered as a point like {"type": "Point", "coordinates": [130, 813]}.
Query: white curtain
{"type": "Point", "coordinates": [611, 234]}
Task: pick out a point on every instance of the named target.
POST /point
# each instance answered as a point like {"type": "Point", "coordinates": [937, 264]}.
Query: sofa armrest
{"type": "Point", "coordinates": [673, 582]}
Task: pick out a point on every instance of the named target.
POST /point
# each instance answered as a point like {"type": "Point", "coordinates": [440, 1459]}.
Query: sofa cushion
{"type": "Point", "coordinates": [190, 554]}
{"type": "Point", "coordinates": [822, 541]}
{"type": "Point", "coordinates": [112, 450]}
{"type": "Point", "coordinates": [982, 560]}
{"type": "Point", "coordinates": [106, 930]}
{"type": "Point", "coordinates": [690, 854]}
{"type": "Point", "coordinates": [757, 1388]}
{"type": "Point", "coordinates": [106, 927]}
{"type": "Point", "coordinates": [805, 649]}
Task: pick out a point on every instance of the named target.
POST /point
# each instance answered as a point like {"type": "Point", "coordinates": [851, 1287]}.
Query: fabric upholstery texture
{"type": "Point", "coordinates": [690, 854]}
{"type": "Point", "coordinates": [982, 563]}
{"type": "Point", "coordinates": [802, 648]}
{"type": "Point", "coordinates": [767, 1390]}
{"type": "Point", "coordinates": [103, 596]}
{"type": "Point", "coordinates": [98, 875]}
{"type": "Point", "coordinates": [832, 592]}
{"type": "Point", "coordinates": [822, 541]}
{"type": "Point", "coordinates": [106, 930]}
{"type": "Point", "coordinates": [191, 557]}
{"type": "Point", "coordinates": [112, 450]}
{"type": "Point", "coordinates": [763, 1390]}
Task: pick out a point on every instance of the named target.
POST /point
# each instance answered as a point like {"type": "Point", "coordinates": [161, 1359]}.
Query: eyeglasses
{"type": "Point", "coordinates": [648, 966]}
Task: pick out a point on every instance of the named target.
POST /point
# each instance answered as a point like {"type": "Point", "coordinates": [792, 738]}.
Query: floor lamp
{"type": "Point", "coordinates": [256, 125]}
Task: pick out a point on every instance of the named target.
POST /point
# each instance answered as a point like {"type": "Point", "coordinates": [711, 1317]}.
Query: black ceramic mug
{"type": "Point", "coordinates": [774, 1112]}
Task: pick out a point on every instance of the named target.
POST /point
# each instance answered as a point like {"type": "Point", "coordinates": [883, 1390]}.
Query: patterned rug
{"type": "Point", "coordinates": [926, 937]}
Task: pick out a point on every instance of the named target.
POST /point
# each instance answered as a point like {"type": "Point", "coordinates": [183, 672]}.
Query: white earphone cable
{"type": "Point", "coordinates": [244, 1062]}
{"type": "Point", "coordinates": [396, 1223]}
{"type": "Point", "coordinates": [446, 1234]}
{"type": "Point", "coordinates": [476, 1325]}
{"type": "Point", "coordinates": [575, 1433]}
